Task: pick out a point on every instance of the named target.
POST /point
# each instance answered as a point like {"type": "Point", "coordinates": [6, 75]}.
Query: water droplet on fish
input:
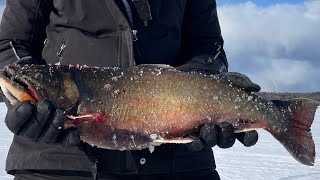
{"type": "Point", "coordinates": [132, 137]}
{"type": "Point", "coordinates": [153, 136]}
{"type": "Point", "coordinates": [107, 87]}
{"type": "Point", "coordinates": [117, 91]}
{"type": "Point", "coordinates": [250, 98]}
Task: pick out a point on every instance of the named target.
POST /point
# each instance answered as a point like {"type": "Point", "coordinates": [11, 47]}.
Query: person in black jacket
{"type": "Point", "coordinates": [182, 33]}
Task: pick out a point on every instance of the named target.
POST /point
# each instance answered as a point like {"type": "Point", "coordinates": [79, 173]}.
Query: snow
{"type": "Point", "coordinates": [266, 160]}
{"type": "Point", "coordinates": [5, 140]}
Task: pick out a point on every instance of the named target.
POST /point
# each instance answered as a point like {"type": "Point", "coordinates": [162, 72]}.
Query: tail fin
{"type": "Point", "coordinates": [298, 138]}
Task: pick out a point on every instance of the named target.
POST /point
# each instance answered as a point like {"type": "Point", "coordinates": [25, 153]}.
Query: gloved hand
{"type": "Point", "coordinates": [40, 123]}
{"type": "Point", "coordinates": [205, 64]}
{"type": "Point", "coordinates": [238, 80]}
{"type": "Point", "coordinates": [221, 134]}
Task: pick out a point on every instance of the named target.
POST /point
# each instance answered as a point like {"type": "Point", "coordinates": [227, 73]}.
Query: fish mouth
{"type": "Point", "coordinates": [17, 87]}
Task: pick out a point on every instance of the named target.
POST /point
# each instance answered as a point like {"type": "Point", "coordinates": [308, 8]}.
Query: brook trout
{"type": "Point", "coordinates": [135, 108]}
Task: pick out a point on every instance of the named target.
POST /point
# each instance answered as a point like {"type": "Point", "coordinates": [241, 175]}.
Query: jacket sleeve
{"type": "Point", "coordinates": [23, 29]}
{"type": "Point", "coordinates": [201, 33]}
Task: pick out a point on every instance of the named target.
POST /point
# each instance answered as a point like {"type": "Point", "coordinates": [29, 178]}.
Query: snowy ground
{"type": "Point", "coordinates": [5, 139]}
{"type": "Point", "coordinates": [266, 160]}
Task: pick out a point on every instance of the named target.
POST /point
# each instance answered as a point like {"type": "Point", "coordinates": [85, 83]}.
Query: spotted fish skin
{"type": "Point", "coordinates": [129, 109]}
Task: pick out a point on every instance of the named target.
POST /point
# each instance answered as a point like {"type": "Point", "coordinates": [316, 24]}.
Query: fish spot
{"type": "Point", "coordinates": [108, 87]}
{"type": "Point", "coordinates": [38, 76]}
{"type": "Point", "coordinates": [215, 97]}
{"type": "Point", "coordinates": [114, 140]}
{"type": "Point", "coordinates": [116, 93]}
{"type": "Point", "coordinates": [115, 78]}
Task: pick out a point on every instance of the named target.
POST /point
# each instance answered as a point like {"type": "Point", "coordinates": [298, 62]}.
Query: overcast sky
{"type": "Point", "coordinates": [259, 2]}
{"type": "Point", "coordinates": [275, 42]}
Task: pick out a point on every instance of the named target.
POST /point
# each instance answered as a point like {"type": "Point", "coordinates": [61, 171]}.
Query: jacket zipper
{"type": "Point", "coordinates": [60, 52]}
{"type": "Point", "coordinates": [134, 35]}
{"type": "Point", "coordinates": [94, 170]}
{"type": "Point", "coordinates": [134, 32]}
{"type": "Point", "coordinates": [14, 51]}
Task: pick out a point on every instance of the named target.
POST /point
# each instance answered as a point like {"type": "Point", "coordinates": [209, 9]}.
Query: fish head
{"type": "Point", "coordinates": [38, 82]}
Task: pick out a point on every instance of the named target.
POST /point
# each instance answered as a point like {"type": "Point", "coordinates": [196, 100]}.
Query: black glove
{"type": "Point", "coordinates": [222, 134]}
{"type": "Point", "coordinates": [205, 64]}
{"type": "Point", "coordinates": [40, 123]}
{"type": "Point", "coordinates": [238, 80]}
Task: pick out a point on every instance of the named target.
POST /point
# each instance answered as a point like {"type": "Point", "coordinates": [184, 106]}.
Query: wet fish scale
{"type": "Point", "coordinates": [135, 108]}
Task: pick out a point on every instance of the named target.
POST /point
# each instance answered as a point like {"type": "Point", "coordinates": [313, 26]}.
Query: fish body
{"type": "Point", "coordinates": [135, 108]}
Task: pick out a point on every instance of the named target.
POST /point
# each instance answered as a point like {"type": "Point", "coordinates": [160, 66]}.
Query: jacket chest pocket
{"type": "Point", "coordinates": [77, 8]}
{"type": "Point", "coordinates": [81, 13]}
{"type": "Point", "coordinates": [168, 12]}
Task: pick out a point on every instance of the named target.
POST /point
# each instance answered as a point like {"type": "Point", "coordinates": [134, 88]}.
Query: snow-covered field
{"type": "Point", "coordinates": [266, 160]}
{"type": "Point", "coordinates": [5, 139]}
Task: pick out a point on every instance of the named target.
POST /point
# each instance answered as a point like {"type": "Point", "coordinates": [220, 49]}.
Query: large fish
{"type": "Point", "coordinates": [144, 106]}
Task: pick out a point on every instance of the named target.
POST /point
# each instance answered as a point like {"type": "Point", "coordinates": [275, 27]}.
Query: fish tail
{"type": "Point", "coordinates": [297, 138]}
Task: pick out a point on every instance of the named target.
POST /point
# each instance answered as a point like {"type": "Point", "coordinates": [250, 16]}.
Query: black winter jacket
{"type": "Point", "coordinates": [97, 33]}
